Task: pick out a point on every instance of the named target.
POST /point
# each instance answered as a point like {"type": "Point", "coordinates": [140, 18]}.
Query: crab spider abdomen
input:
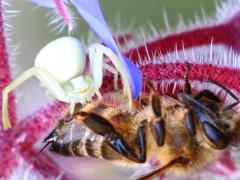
{"type": "Point", "coordinates": [63, 58]}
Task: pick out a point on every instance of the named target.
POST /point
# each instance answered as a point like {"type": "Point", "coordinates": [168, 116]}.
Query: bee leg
{"type": "Point", "coordinates": [208, 95]}
{"type": "Point", "coordinates": [141, 139]}
{"type": "Point", "coordinates": [120, 146]}
{"type": "Point", "coordinates": [228, 92]}
{"type": "Point", "coordinates": [217, 139]}
{"type": "Point", "coordinates": [101, 126]}
{"type": "Point", "coordinates": [215, 136]}
{"type": "Point", "coordinates": [156, 105]}
{"type": "Point", "coordinates": [190, 124]}
{"type": "Point", "coordinates": [189, 120]}
{"type": "Point", "coordinates": [188, 100]}
{"type": "Point", "coordinates": [157, 124]}
{"type": "Point", "coordinates": [158, 131]}
{"type": "Point", "coordinates": [95, 122]}
{"type": "Point", "coordinates": [187, 85]}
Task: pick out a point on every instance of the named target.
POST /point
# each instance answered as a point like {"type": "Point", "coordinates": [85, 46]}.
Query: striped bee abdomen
{"type": "Point", "coordinates": [73, 138]}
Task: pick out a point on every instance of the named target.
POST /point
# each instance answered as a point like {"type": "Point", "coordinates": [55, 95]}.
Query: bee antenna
{"type": "Point", "coordinates": [186, 97]}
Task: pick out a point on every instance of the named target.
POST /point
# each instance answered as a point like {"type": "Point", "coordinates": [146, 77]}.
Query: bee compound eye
{"type": "Point", "coordinates": [217, 138]}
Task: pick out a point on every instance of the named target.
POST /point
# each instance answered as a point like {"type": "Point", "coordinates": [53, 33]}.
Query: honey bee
{"type": "Point", "coordinates": [183, 134]}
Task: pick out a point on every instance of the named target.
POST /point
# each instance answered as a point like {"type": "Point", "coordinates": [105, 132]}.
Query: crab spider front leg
{"type": "Point", "coordinates": [115, 74]}
{"type": "Point", "coordinates": [46, 78]}
{"type": "Point", "coordinates": [96, 52]}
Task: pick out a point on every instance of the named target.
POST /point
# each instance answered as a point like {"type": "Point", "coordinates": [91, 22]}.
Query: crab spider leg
{"type": "Point", "coordinates": [46, 78]}
{"type": "Point", "coordinates": [97, 58]}
{"type": "Point", "coordinates": [96, 66]}
{"type": "Point", "coordinates": [114, 72]}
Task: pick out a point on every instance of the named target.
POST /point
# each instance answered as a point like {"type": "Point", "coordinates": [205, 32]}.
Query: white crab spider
{"type": "Point", "coordinates": [60, 65]}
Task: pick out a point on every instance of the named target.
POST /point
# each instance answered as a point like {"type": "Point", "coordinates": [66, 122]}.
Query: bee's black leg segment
{"type": "Point", "coordinates": [187, 85]}
{"type": "Point", "coordinates": [120, 146]}
{"type": "Point", "coordinates": [188, 100]}
{"type": "Point", "coordinates": [156, 105]}
{"type": "Point", "coordinates": [141, 139]}
{"type": "Point", "coordinates": [207, 94]}
{"type": "Point", "coordinates": [97, 123]}
{"type": "Point", "coordinates": [190, 124]}
{"type": "Point", "coordinates": [215, 136]}
{"type": "Point", "coordinates": [158, 130]}
{"type": "Point", "coordinates": [101, 126]}
{"type": "Point", "coordinates": [228, 92]}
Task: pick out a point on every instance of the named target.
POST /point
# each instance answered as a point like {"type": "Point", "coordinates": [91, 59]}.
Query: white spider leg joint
{"type": "Point", "coordinates": [96, 61]}
{"type": "Point", "coordinates": [60, 65]}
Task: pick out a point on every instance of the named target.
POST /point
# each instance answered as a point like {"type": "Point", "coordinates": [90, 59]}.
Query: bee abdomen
{"type": "Point", "coordinates": [93, 145]}
{"type": "Point", "coordinates": [81, 141]}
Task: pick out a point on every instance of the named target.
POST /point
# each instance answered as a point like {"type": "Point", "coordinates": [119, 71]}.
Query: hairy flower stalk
{"type": "Point", "coordinates": [212, 50]}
